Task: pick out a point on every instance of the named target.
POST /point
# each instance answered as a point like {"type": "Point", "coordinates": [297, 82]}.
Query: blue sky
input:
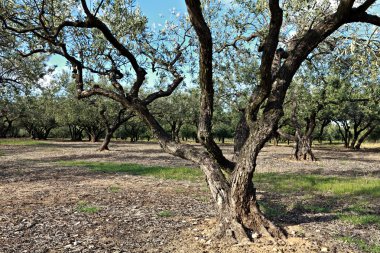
{"type": "Point", "coordinates": [154, 8]}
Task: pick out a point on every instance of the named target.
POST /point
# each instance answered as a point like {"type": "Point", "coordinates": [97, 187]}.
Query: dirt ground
{"type": "Point", "coordinates": [39, 202]}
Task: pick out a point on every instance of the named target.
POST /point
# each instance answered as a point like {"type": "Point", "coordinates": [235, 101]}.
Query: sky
{"type": "Point", "coordinates": [153, 9]}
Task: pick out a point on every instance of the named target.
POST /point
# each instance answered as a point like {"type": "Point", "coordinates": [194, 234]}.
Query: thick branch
{"type": "Point", "coordinates": [140, 72]}
{"type": "Point", "coordinates": [206, 82]}
{"type": "Point", "coordinates": [286, 135]}
{"type": "Point", "coordinates": [271, 41]}
{"type": "Point", "coordinates": [366, 18]}
{"type": "Point", "coordinates": [150, 98]}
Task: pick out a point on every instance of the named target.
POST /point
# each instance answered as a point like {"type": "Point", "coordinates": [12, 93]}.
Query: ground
{"type": "Point", "coordinates": [52, 200]}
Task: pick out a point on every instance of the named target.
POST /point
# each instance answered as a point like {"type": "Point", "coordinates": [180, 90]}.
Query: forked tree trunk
{"type": "Point", "coordinates": [244, 210]}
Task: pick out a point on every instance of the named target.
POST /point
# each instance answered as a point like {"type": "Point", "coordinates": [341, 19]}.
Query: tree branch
{"type": "Point", "coordinates": [236, 40]}
{"type": "Point", "coordinates": [365, 18]}
{"type": "Point", "coordinates": [206, 83]}
{"type": "Point", "coordinates": [150, 98]}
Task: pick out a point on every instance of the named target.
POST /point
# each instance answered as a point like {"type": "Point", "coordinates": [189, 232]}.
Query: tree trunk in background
{"type": "Point", "coordinates": [364, 136]}
{"type": "Point", "coordinates": [322, 129]}
{"type": "Point", "coordinates": [345, 133]}
{"type": "Point", "coordinates": [306, 148]}
{"type": "Point", "coordinates": [75, 133]}
{"type": "Point", "coordinates": [106, 141]}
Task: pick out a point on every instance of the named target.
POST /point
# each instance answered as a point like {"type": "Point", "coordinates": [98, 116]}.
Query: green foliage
{"type": "Point", "coordinates": [190, 174]}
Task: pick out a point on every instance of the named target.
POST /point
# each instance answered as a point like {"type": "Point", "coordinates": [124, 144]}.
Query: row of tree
{"type": "Point", "coordinates": [53, 111]}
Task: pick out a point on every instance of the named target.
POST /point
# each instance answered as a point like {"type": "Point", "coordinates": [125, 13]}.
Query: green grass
{"type": "Point", "coordinates": [316, 208]}
{"type": "Point", "coordinates": [358, 191]}
{"type": "Point", "coordinates": [340, 186]}
{"type": "Point", "coordinates": [202, 198]}
{"type": "Point", "coordinates": [272, 210]}
{"type": "Point", "coordinates": [358, 207]}
{"type": "Point", "coordinates": [84, 207]}
{"type": "Point", "coordinates": [360, 219]}
{"type": "Point", "coordinates": [165, 214]}
{"type": "Point", "coordinates": [114, 188]}
{"type": "Point", "coordinates": [361, 244]}
{"type": "Point", "coordinates": [21, 142]}
{"type": "Point", "coordinates": [180, 173]}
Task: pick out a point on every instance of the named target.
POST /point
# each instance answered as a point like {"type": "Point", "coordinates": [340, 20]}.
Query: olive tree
{"type": "Point", "coordinates": [109, 39]}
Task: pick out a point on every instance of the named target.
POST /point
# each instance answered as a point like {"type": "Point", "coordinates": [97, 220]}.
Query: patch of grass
{"type": "Point", "coordinates": [271, 210]}
{"type": "Point", "coordinates": [202, 198]}
{"type": "Point", "coordinates": [114, 188]}
{"type": "Point", "coordinates": [165, 214]}
{"type": "Point", "coordinates": [21, 142]}
{"type": "Point", "coordinates": [315, 208]}
{"type": "Point", "coordinates": [341, 186]}
{"type": "Point", "coordinates": [180, 190]}
{"type": "Point", "coordinates": [360, 219]}
{"type": "Point", "coordinates": [84, 207]}
{"type": "Point", "coordinates": [361, 244]}
{"type": "Point", "coordinates": [180, 173]}
{"type": "Point", "coordinates": [360, 207]}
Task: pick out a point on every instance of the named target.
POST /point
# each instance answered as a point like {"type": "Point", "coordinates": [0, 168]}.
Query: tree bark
{"type": "Point", "coordinates": [241, 134]}
{"type": "Point", "coordinates": [106, 141]}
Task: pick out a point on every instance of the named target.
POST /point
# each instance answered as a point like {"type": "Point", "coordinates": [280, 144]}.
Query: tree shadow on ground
{"type": "Point", "coordinates": [316, 209]}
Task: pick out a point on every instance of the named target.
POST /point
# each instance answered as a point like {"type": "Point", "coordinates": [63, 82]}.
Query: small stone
{"type": "Point", "coordinates": [255, 235]}
{"type": "Point", "coordinates": [208, 242]}
{"type": "Point", "coordinates": [324, 249]}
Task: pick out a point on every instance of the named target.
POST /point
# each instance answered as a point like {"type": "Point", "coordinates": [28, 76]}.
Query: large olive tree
{"type": "Point", "coordinates": [109, 39]}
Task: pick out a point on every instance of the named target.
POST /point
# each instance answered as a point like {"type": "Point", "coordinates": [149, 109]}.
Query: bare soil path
{"type": "Point", "coordinates": [41, 201]}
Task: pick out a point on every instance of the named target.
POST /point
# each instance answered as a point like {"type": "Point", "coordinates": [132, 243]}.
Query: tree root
{"type": "Point", "coordinates": [250, 227]}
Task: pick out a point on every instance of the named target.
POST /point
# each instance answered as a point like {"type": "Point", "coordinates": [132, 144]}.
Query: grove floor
{"type": "Point", "coordinates": [41, 201]}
